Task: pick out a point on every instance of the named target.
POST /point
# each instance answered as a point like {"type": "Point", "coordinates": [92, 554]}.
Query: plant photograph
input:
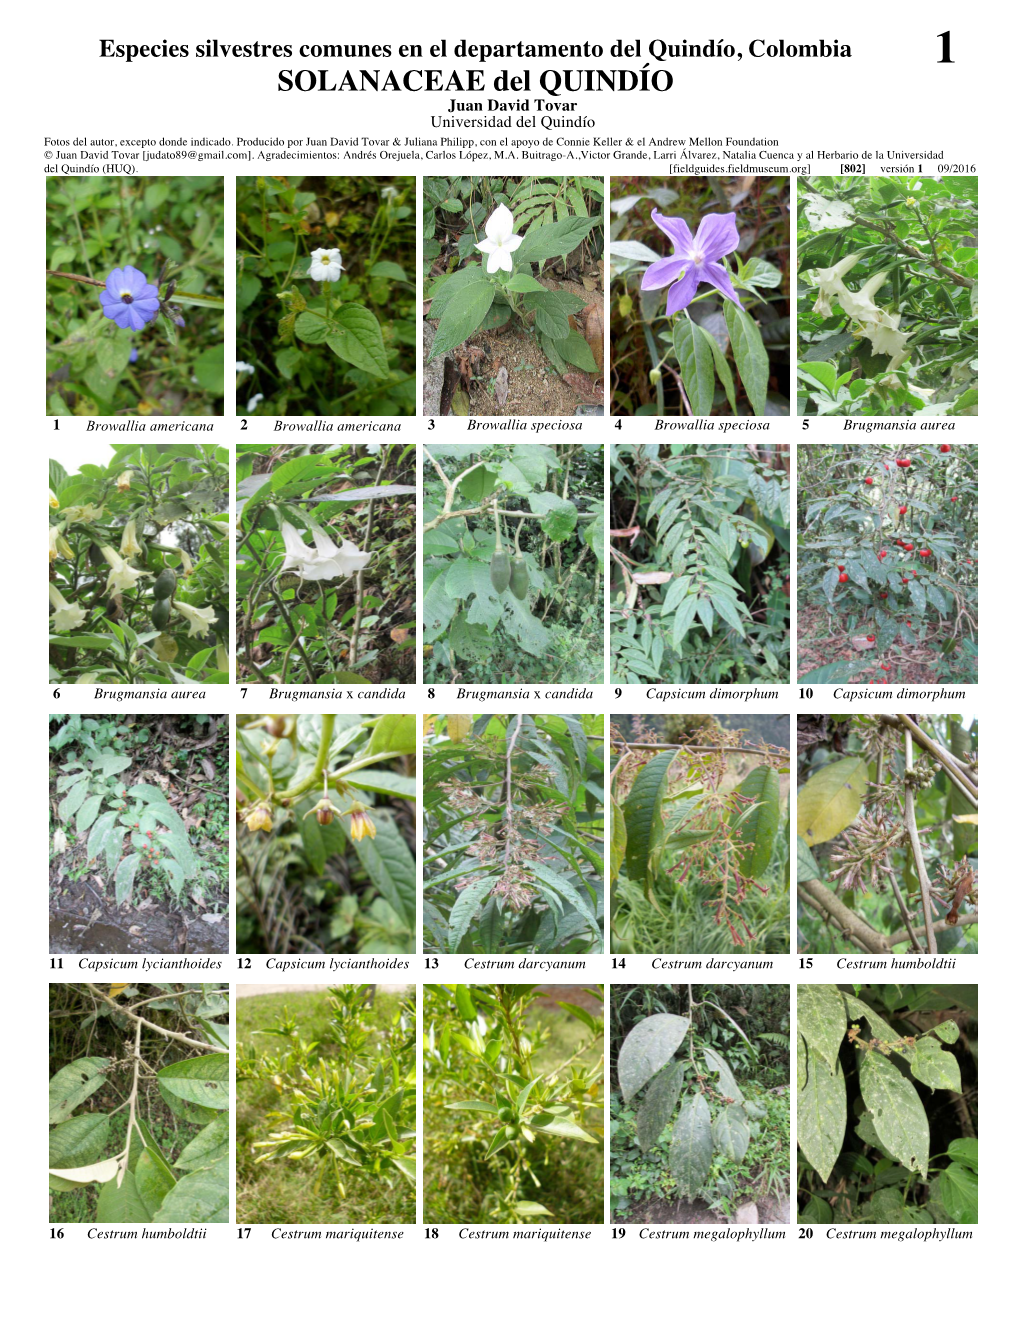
{"type": "Point", "coordinates": [699, 856]}
{"type": "Point", "coordinates": [325, 808]}
{"type": "Point", "coordinates": [513, 278]}
{"type": "Point", "coordinates": [887, 563]}
{"type": "Point", "coordinates": [139, 1104]}
{"type": "Point", "coordinates": [134, 296]}
{"type": "Point", "coordinates": [326, 315]}
{"type": "Point", "coordinates": [699, 1127]}
{"type": "Point", "coordinates": [139, 834]}
{"type": "Point", "coordinates": [699, 285]}
{"type": "Point", "coordinates": [512, 1104]}
{"type": "Point", "coordinates": [699, 543]}
{"type": "Point", "coordinates": [887, 293]}
{"type": "Point", "coordinates": [513, 550]}
{"type": "Point", "coordinates": [139, 581]}
{"type": "Point", "coordinates": [887, 1102]}
{"type": "Point", "coordinates": [326, 1095]}
{"type": "Point", "coordinates": [325, 563]}
{"type": "Point", "coordinates": [887, 834]}
{"type": "Point", "coordinates": [514, 834]}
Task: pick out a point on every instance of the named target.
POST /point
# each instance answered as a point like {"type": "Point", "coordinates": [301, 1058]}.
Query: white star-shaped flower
{"type": "Point", "coordinates": [500, 240]}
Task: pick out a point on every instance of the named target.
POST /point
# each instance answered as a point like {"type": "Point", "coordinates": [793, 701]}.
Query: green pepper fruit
{"type": "Point", "coordinates": [164, 585]}
{"type": "Point", "coordinates": [519, 579]}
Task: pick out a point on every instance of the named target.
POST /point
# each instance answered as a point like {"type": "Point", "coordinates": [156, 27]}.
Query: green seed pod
{"type": "Point", "coordinates": [161, 614]}
{"type": "Point", "coordinates": [506, 1114]}
{"type": "Point", "coordinates": [499, 570]}
{"type": "Point", "coordinates": [164, 585]}
{"type": "Point", "coordinates": [519, 579]}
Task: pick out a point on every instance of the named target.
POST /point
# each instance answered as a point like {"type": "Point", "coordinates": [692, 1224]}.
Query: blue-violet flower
{"type": "Point", "coordinates": [695, 259]}
{"type": "Point", "coordinates": [129, 299]}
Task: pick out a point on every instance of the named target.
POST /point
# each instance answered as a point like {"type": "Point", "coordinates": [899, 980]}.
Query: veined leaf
{"type": "Point", "coordinates": [895, 1109]}
{"type": "Point", "coordinates": [821, 1110]}
{"type": "Point", "coordinates": [690, 1152]}
{"type": "Point", "coordinates": [648, 1047]}
{"type": "Point", "coordinates": [659, 1102]}
{"type": "Point", "coordinates": [757, 830]}
{"type": "Point", "coordinates": [831, 799]}
{"type": "Point", "coordinates": [730, 1133]}
{"type": "Point", "coordinates": [821, 1019]}
{"type": "Point", "coordinates": [642, 813]}
{"type": "Point", "coordinates": [697, 370]}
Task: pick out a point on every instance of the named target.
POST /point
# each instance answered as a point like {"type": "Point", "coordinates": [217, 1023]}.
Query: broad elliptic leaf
{"type": "Point", "coordinates": [697, 367]}
{"type": "Point", "coordinates": [659, 1102]}
{"type": "Point", "coordinates": [79, 1141]}
{"type": "Point", "coordinates": [649, 1047]}
{"type": "Point", "coordinates": [153, 1180]}
{"type": "Point", "coordinates": [821, 1019]}
{"type": "Point", "coordinates": [122, 1205]}
{"type": "Point", "coordinates": [959, 1188]}
{"type": "Point", "coordinates": [469, 900]}
{"type": "Point", "coordinates": [757, 831]}
{"type": "Point", "coordinates": [896, 1110]}
{"type": "Point", "coordinates": [831, 799]}
{"type": "Point", "coordinates": [73, 1085]}
{"type": "Point", "coordinates": [202, 1081]}
{"type": "Point", "coordinates": [749, 353]}
{"type": "Point", "coordinates": [559, 1125]}
{"type": "Point", "coordinates": [858, 1011]}
{"type": "Point", "coordinates": [617, 839]}
{"type": "Point", "coordinates": [202, 1197]}
{"type": "Point", "coordinates": [948, 1031]}
{"type": "Point", "coordinates": [690, 1152]}
{"type": "Point", "coordinates": [934, 1066]}
{"type": "Point", "coordinates": [730, 1133]}
{"type": "Point", "coordinates": [642, 814]}
{"type": "Point", "coordinates": [727, 1082]}
{"type": "Point", "coordinates": [559, 516]}
{"type": "Point", "coordinates": [821, 1113]}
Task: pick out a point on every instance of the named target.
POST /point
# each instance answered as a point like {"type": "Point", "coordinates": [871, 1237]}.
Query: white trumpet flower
{"type": "Point", "coordinates": [322, 561]}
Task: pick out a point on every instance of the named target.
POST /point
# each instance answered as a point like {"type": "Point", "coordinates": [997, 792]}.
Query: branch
{"type": "Point", "coordinates": [849, 923]}
{"type": "Point", "coordinates": [162, 1031]}
{"type": "Point", "coordinates": [915, 843]}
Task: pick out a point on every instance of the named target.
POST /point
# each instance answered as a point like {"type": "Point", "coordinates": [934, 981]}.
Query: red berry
{"type": "Point", "coordinates": [909, 624]}
{"type": "Point", "coordinates": [925, 553]}
{"type": "Point", "coordinates": [914, 571]}
{"type": "Point", "coordinates": [841, 567]}
{"type": "Point", "coordinates": [883, 595]}
{"type": "Point", "coordinates": [886, 466]}
{"type": "Point", "coordinates": [869, 481]}
{"type": "Point", "coordinates": [871, 638]}
{"type": "Point", "coordinates": [903, 509]}
{"type": "Point", "coordinates": [953, 499]}
{"type": "Point", "coordinates": [882, 554]}
{"type": "Point", "coordinates": [843, 577]}
{"type": "Point", "coordinates": [906, 579]}
{"type": "Point", "coordinates": [970, 561]}
{"type": "Point", "coordinates": [903, 462]}
{"type": "Point", "coordinates": [909, 545]}
{"type": "Point", "coordinates": [886, 668]}
{"type": "Point", "coordinates": [943, 449]}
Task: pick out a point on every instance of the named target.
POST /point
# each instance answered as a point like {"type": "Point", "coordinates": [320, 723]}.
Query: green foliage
{"type": "Point", "coordinates": [895, 332]}
{"type": "Point", "coordinates": [697, 863]}
{"type": "Point", "coordinates": [724, 359]}
{"type": "Point", "coordinates": [919, 608]}
{"type": "Point", "coordinates": [514, 835]}
{"type": "Point", "coordinates": [853, 838]}
{"type": "Point", "coordinates": [338, 886]}
{"type": "Point", "coordinates": [346, 1105]}
{"type": "Point", "coordinates": [144, 1180]}
{"type": "Point", "coordinates": [132, 833]}
{"type": "Point", "coordinates": [350, 627]}
{"type": "Point", "coordinates": [547, 629]}
{"type": "Point", "coordinates": [683, 1126]}
{"type": "Point", "coordinates": [512, 1105]}
{"type": "Point", "coordinates": [554, 216]}
{"type": "Point", "coordinates": [697, 586]}
{"type": "Point", "coordinates": [174, 236]}
{"type": "Point", "coordinates": [161, 509]}
{"type": "Point", "coordinates": [318, 348]}
{"type": "Point", "coordinates": [880, 1169]}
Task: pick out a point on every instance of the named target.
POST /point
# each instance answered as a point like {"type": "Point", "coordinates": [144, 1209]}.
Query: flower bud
{"type": "Point", "coordinates": [654, 376]}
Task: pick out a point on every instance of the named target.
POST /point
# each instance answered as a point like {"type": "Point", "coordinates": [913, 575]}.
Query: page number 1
{"type": "Point", "coordinates": [944, 38]}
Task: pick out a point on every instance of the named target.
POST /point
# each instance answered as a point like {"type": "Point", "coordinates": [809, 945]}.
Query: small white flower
{"type": "Point", "coordinates": [129, 546]}
{"type": "Point", "coordinates": [200, 620]}
{"type": "Point", "coordinates": [66, 616]}
{"type": "Point", "coordinates": [390, 193]}
{"type": "Point", "coordinates": [499, 240]}
{"type": "Point", "coordinates": [326, 265]}
{"type": "Point", "coordinates": [254, 401]}
{"type": "Point", "coordinates": [243, 369]}
{"type": "Point", "coordinates": [323, 561]}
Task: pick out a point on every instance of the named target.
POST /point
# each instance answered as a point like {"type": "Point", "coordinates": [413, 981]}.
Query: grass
{"type": "Point", "coordinates": [302, 1191]}
{"type": "Point", "coordinates": [458, 1181]}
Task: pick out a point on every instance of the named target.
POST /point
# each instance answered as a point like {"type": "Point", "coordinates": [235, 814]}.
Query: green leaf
{"type": "Point", "coordinates": [530, 1208]}
{"type": "Point", "coordinates": [558, 1125]}
{"type": "Point", "coordinates": [124, 880]}
{"type": "Point", "coordinates": [211, 1144]}
{"type": "Point", "coordinates": [690, 1152]}
{"type": "Point", "coordinates": [731, 1134]}
{"type": "Point", "coordinates": [965, 1150]}
{"type": "Point", "coordinates": [575, 350]}
{"type": "Point", "coordinates": [202, 1197]}
{"type": "Point", "coordinates": [659, 1102]}
{"type": "Point", "coordinates": [648, 1047]}
{"type": "Point", "coordinates": [684, 618]}
{"type": "Point", "coordinates": [394, 735]}
{"type": "Point", "coordinates": [895, 1109]}
{"type": "Point", "coordinates": [555, 240]}
{"type": "Point", "coordinates": [617, 839]}
{"type": "Point", "coordinates": [559, 516]}
{"type": "Point", "coordinates": [390, 866]}
{"type": "Point", "coordinates": [934, 1066]}
{"type": "Point", "coordinates": [821, 1110]}
{"type": "Point", "coordinates": [722, 367]}
{"type": "Point", "coordinates": [153, 1181]}
{"type": "Point", "coordinates": [821, 1018]}
{"type": "Point", "coordinates": [697, 369]}
{"type": "Point", "coordinates": [208, 368]}
{"type": "Point", "coordinates": [749, 352]}
{"type": "Point", "coordinates": [357, 338]}
{"type": "Point", "coordinates": [948, 1031]}
{"type": "Point", "coordinates": [959, 1187]}
{"type": "Point", "coordinates": [73, 1085]}
{"type": "Point", "coordinates": [464, 313]}
{"type": "Point", "coordinates": [388, 270]}
{"type": "Point", "coordinates": [727, 1082]}
{"type": "Point", "coordinates": [203, 1081]}
{"type": "Point", "coordinates": [123, 1204]}
{"type": "Point", "coordinates": [757, 831]}
{"type": "Point", "coordinates": [831, 799]}
{"type": "Point", "coordinates": [642, 813]}
{"type": "Point", "coordinates": [469, 900]}
{"type": "Point", "coordinates": [87, 813]}
{"type": "Point", "coordinates": [78, 1142]}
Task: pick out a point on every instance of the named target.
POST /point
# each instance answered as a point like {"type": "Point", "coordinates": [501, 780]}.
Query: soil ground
{"type": "Point", "coordinates": [907, 664]}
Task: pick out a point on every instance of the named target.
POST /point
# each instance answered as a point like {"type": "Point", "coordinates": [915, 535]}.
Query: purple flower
{"type": "Point", "coordinates": [134, 355]}
{"type": "Point", "coordinates": [695, 259]}
{"type": "Point", "coordinates": [128, 299]}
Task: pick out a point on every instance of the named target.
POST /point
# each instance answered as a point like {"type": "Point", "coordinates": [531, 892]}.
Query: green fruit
{"type": "Point", "coordinates": [164, 585]}
{"type": "Point", "coordinates": [499, 570]}
{"type": "Point", "coordinates": [506, 1114]}
{"type": "Point", "coordinates": [161, 614]}
{"type": "Point", "coordinates": [519, 579]}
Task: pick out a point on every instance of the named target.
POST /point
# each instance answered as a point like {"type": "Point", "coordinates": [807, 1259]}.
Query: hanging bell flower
{"type": "Point", "coordinates": [260, 817]}
{"type": "Point", "coordinates": [124, 481]}
{"type": "Point", "coordinates": [324, 807]}
{"type": "Point", "coordinates": [129, 545]}
{"type": "Point", "coordinates": [66, 614]}
{"type": "Point", "coordinates": [362, 825]}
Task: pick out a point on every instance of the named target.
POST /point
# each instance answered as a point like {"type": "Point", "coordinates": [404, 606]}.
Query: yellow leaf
{"type": "Point", "coordinates": [831, 799]}
{"type": "Point", "coordinates": [966, 820]}
{"type": "Point", "coordinates": [117, 988]}
{"type": "Point", "coordinates": [458, 727]}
